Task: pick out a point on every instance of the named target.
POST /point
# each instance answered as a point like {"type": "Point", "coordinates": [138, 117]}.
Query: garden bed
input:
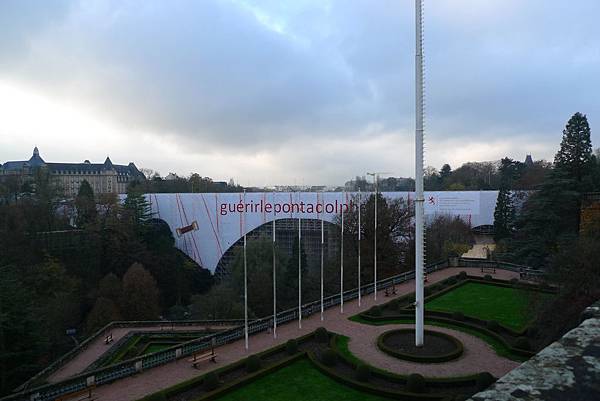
{"type": "Point", "coordinates": [437, 347]}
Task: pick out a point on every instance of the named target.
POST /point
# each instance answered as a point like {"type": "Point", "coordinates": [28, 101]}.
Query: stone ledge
{"type": "Point", "coordinates": [568, 369]}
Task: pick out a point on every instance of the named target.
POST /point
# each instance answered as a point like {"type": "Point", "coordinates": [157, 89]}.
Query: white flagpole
{"type": "Point", "coordinates": [322, 248]}
{"type": "Point", "coordinates": [245, 280]}
{"type": "Point", "coordinates": [419, 199]}
{"type": "Point", "coordinates": [359, 290]}
{"type": "Point", "coordinates": [299, 268]}
{"type": "Point", "coordinates": [342, 258]}
{"type": "Point", "coordinates": [376, 177]}
{"type": "Point", "coordinates": [274, 277]}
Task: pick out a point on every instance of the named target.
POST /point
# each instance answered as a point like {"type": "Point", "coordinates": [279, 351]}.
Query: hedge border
{"type": "Point", "coordinates": [367, 388]}
{"type": "Point", "coordinates": [431, 381]}
{"type": "Point", "coordinates": [449, 356]}
{"type": "Point", "coordinates": [246, 379]}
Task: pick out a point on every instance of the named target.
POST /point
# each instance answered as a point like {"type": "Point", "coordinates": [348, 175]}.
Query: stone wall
{"type": "Point", "coordinates": [567, 370]}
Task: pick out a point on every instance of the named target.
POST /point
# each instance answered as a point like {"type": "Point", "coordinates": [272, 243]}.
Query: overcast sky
{"type": "Point", "coordinates": [274, 92]}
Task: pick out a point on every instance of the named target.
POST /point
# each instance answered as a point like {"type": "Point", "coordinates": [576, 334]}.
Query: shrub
{"type": "Point", "coordinates": [451, 281]}
{"type": "Point", "coordinates": [427, 291]}
{"type": "Point", "coordinates": [415, 383]}
{"type": "Point", "coordinates": [484, 380]}
{"type": "Point", "coordinates": [211, 381]}
{"type": "Point", "coordinates": [363, 373]}
{"type": "Point", "coordinates": [321, 335]}
{"type": "Point", "coordinates": [291, 346]}
{"type": "Point", "coordinates": [156, 397]}
{"type": "Point", "coordinates": [532, 332]}
{"type": "Point", "coordinates": [329, 357]}
{"type": "Point", "coordinates": [375, 311]}
{"type": "Point", "coordinates": [492, 325]}
{"type": "Point", "coordinates": [252, 363]}
{"type": "Point", "coordinates": [514, 280]}
{"type": "Point", "coordinates": [458, 316]}
{"type": "Point", "coordinates": [488, 277]}
{"type": "Point", "coordinates": [522, 343]}
{"type": "Point", "coordinates": [462, 275]}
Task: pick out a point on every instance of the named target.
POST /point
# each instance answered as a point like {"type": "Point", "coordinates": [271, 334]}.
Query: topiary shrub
{"type": "Point", "coordinates": [375, 311]}
{"type": "Point", "coordinates": [415, 383]}
{"type": "Point", "coordinates": [522, 343]}
{"type": "Point", "coordinates": [321, 335]}
{"type": "Point", "coordinates": [211, 382]}
{"type": "Point", "coordinates": [252, 363]}
{"type": "Point", "coordinates": [514, 280]}
{"type": "Point", "coordinates": [484, 380]}
{"type": "Point", "coordinates": [458, 316]}
{"type": "Point", "coordinates": [291, 346]}
{"type": "Point", "coordinates": [363, 373]}
{"type": "Point", "coordinates": [427, 291]}
{"type": "Point", "coordinates": [492, 325]}
{"type": "Point", "coordinates": [488, 277]}
{"type": "Point", "coordinates": [451, 281]}
{"type": "Point", "coordinates": [329, 357]}
{"type": "Point", "coordinates": [462, 275]}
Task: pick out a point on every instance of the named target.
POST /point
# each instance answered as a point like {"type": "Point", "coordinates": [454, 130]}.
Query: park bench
{"type": "Point", "coordinates": [200, 357]}
{"type": "Point", "coordinates": [108, 339]}
{"type": "Point", "coordinates": [85, 394]}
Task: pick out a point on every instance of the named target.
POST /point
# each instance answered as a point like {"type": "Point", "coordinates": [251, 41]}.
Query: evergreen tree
{"type": "Point", "coordinates": [504, 215]}
{"type": "Point", "coordinates": [137, 208]}
{"type": "Point", "coordinates": [575, 154]}
{"type": "Point", "coordinates": [86, 205]}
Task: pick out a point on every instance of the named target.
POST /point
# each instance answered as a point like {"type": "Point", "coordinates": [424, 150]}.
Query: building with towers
{"type": "Point", "coordinates": [103, 177]}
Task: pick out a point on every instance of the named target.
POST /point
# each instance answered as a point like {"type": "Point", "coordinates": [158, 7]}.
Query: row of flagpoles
{"type": "Point", "coordinates": [300, 265]}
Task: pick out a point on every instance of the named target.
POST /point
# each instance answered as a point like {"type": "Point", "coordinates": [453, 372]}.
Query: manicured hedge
{"type": "Point", "coordinates": [457, 352]}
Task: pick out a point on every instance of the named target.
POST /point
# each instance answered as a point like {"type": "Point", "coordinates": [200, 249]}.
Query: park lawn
{"type": "Point", "coordinates": [155, 347]}
{"type": "Point", "coordinates": [300, 381]}
{"type": "Point", "coordinates": [508, 306]}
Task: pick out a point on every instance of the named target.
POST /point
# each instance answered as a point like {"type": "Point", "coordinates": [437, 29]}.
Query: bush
{"type": "Point", "coordinates": [321, 335]}
{"type": "Point", "coordinates": [375, 311]}
{"type": "Point", "coordinates": [488, 277]}
{"type": "Point", "coordinates": [484, 380]}
{"type": "Point", "coordinates": [532, 332]}
{"type": "Point", "coordinates": [458, 316]}
{"type": "Point", "coordinates": [462, 275]}
{"type": "Point", "coordinates": [252, 363]}
{"type": "Point", "coordinates": [492, 325]}
{"type": "Point", "coordinates": [514, 280]}
{"type": "Point", "coordinates": [522, 343]}
{"type": "Point", "coordinates": [363, 373]}
{"type": "Point", "coordinates": [329, 357]}
{"type": "Point", "coordinates": [211, 381]}
{"type": "Point", "coordinates": [156, 397]}
{"type": "Point", "coordinates": [415, 383]}
{"type": "Point", "coordinates": [291, 346]}
{"type": "Point", "coordinates": [451, 281]}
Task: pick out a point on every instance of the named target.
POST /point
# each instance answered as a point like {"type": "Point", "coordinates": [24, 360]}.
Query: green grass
{"type": "Point", "coordinates": [299, 381]}
{"type": "Point", "coordinates": [155, 347]}
{"type": "Point", "coordinates": [496, 345]}
{"type": "Point", "coordinates": [508, 306]}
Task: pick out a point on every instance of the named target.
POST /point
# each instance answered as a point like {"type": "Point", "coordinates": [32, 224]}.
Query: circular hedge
{"type": "Point", "coordinates": [450, 349]}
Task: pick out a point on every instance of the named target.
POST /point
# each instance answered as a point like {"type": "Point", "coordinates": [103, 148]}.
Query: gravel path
{"type": "Point", "coordinates": [478, 356]}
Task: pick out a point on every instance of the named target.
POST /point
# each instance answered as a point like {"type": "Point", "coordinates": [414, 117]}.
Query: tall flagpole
{"type": "Point", "coordinates": [359, 289]}
{"type": "Point", "coordinates": [245, 280]}
{"type": "Point", "coordinates": [299, 267]}
{"type": "Point", "coordinates": [322, 247]}
{"type": "Point", "coordinates": [342, 258]}
{"type": "Point", "coordinates": [274, 277]}
{"type": "Point", "coordinates": [419, 201]}
{"type": "Point", "coordinates": [376, 177]}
